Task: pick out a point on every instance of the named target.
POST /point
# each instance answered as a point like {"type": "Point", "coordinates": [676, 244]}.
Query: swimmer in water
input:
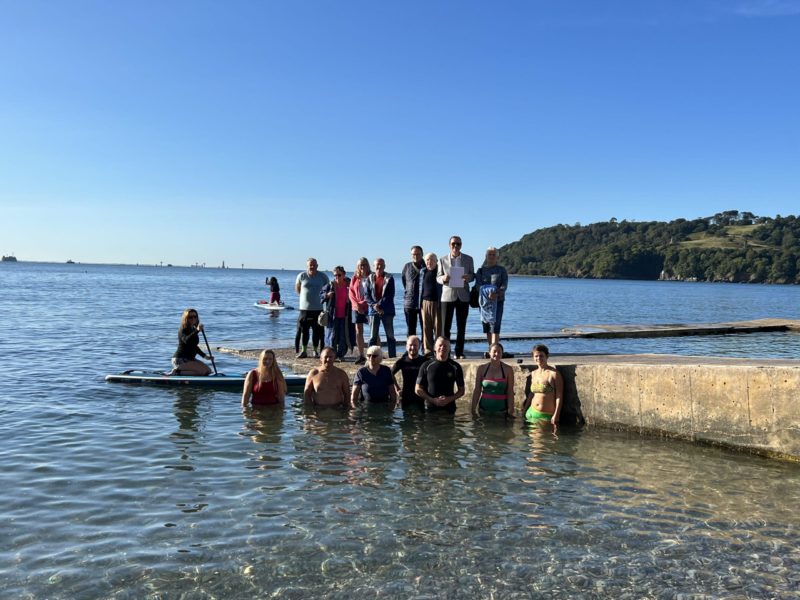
{"type": "Point", "coordinates": [544, 390]}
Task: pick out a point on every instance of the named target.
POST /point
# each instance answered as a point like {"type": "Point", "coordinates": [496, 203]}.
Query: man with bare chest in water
{"type": "Point", "coordinates": [327, 385]}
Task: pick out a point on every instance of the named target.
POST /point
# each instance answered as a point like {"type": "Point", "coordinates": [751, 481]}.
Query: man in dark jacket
{"type": "Point", "coordinates": [411, 284]}
{"type": "Point", "coordinates": [380, 297]}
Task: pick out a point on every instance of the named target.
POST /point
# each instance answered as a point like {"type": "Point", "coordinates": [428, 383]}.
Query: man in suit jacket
{"type": "Point", "coordinates": [455, 294]}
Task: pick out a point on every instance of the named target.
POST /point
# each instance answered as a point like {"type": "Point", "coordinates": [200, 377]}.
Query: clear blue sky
{"type": "Point", "coordinates": [262, 132]}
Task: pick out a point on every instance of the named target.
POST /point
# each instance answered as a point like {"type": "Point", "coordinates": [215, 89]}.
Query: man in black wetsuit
{"type": "Point", "coordinates": [409, 365]}
{"type": "Point", "coordinates": [440, 381]}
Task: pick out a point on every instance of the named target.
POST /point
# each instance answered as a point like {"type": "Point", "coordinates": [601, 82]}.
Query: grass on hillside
{"type": "Point", "coordinates": [741, 230]}
{"type": "Point", "coordinates": [737, 236]}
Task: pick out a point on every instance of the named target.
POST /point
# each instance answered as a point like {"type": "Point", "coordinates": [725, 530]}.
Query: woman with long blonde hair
{"type": "Point", "coordinates": [264, 385]}
{"type": "Point", "coordinates": [358, 300]}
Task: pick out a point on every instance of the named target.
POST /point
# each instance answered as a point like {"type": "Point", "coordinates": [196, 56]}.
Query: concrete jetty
{"type": "Point", "coordinates": [654, 330]}
{"type": "Point", "coordinates": [606, 331]}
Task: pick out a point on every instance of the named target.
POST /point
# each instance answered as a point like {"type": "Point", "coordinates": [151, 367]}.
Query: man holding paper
{"type": "Point", "coordinates": [455, 272]}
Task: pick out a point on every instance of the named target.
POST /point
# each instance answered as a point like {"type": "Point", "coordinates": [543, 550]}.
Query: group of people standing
{"type": "Point", "coordinates": [333, 313]}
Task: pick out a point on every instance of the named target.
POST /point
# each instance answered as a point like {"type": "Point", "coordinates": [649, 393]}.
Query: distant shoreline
{"type": "Point", "coordinates": [299, 269]}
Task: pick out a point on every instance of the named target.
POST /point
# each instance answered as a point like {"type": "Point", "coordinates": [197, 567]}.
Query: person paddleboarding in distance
{"type": "Point", "coordinates": [274, 290]}
{"type": "Point", "coordinates": [184, 361]}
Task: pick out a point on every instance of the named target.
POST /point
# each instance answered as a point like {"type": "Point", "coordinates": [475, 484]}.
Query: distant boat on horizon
{"type": "Point", "coordinates": [70, 262]}
{"type": "Point", "coordinates": [9, 258]}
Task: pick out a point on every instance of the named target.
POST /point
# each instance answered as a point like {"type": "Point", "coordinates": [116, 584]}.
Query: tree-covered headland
{"type": "Point", "coordinates": [729, 246]}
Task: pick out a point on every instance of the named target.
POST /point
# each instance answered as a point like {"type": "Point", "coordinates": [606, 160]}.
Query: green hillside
{"type": "Point", "coordinates": [729, 246]}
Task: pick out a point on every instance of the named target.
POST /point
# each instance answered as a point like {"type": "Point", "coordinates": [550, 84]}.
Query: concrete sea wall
{"type": "Point", "coordinates": [734, 402]}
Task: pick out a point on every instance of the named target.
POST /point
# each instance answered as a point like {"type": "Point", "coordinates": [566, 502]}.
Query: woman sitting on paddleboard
{"type": "Point", "coordinates": [265, 385]}
{"type": "Point", "coordinates": [184, 361]}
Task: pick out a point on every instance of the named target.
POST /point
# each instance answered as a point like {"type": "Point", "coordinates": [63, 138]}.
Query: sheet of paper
{"type": "Point", "coordinates": [456, 277]}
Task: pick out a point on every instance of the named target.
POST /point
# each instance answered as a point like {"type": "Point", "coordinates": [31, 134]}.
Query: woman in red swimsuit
{"type": "Point", "coordinates": [265, 385]}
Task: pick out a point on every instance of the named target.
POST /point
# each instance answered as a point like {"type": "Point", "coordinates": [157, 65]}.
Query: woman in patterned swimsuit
{"type": "Point", "coordinates": [544, 390]}
{"type": "Point", "coordinates": [494, 385]}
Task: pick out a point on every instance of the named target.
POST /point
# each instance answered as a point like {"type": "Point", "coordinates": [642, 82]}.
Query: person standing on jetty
{"type": "Point", "coordinates": [492, 281]}
{"type": "Point", "coordinates": [430, 311]}
{"type": "Point", "coordinates": [456, 270]}
{"type": "Point", "coordinates": [184, 361]}
{"type": "Point", "coordinates": [380, 297]}
{"type": "Point", "coordinates": [308, 285]}
{"type": "Point", "coordinates": [358, 300]}
{"type": "Point", "coordinates": [412, 282]}
{"type": "Point", "coordinates": [440, 381]}
{"type": "Point", "coordinates": [336, 299]}
{"type": "Point", "coordinates": [544, 390]}
{"type": "Point", "coordinates": [265, 385]}
{"type": "Point", "coordinates": [327, 384]}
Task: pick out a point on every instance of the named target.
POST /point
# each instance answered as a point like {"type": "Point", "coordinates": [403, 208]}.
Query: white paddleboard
{"type": "Point", "coordinates": [264, 305]}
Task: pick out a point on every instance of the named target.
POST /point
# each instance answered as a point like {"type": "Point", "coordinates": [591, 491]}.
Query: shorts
{"type": "Point", "coordinates": [498, 317]}
{"type": "Point", "coordinates": [177, 361]}
{"type": "Point", "coordinates": [360, 317]}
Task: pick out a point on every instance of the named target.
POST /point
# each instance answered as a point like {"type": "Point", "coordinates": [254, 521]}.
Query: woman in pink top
{"type": "Point", "coordinates": [358, 299]}
{"type": "Point", "coordinates": [336, 300]}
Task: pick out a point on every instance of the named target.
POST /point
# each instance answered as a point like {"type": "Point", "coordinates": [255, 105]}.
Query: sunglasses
{"type": "Point", "coordinates": [455, 243]}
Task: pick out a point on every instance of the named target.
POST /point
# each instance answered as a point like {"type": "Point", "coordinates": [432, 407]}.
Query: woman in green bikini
{"type": "Point", "coordinates": [494, 385]}
{"type": "Point", "coordinates": [544, 390]}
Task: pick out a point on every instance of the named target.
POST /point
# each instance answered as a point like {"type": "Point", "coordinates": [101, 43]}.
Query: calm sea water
{"type": "Point", "coordinates": [109, 491]}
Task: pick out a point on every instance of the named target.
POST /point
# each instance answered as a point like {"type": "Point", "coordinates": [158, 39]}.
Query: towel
{"type": "Point", "coordinates": [488, 307]}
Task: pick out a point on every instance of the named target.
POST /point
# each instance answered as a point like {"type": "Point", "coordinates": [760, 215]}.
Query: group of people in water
{"type": "Point", "coordinates": [430, 384]}
{"type": "Point", "coordinates": [332, 315]}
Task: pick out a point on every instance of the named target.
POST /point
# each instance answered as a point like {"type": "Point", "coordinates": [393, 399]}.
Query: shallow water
{"type": "Point", "coordinates": [113, 491]}
{"type": "Point", "coordinates": [184, 495]}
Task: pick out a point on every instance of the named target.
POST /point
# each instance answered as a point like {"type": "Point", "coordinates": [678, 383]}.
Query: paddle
{"type": "Point", "coordinates": [211, 356]}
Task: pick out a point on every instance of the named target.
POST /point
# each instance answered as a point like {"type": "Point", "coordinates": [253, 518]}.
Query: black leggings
{"type": "Point", "coordinates": [307, 319]}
